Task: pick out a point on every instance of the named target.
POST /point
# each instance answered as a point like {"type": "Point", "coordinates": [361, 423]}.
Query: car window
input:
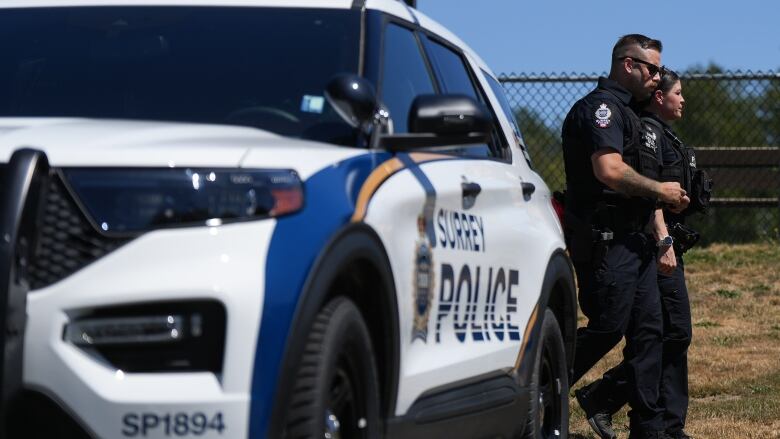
{"type": "Point", "coordinates": [267, 68]}
{"type": "Point", "coordinates": [404, 75]}
{"type": "Point", "coordinates": [453, 73]}
{"type": "Point", "coordinates": [498, 90]}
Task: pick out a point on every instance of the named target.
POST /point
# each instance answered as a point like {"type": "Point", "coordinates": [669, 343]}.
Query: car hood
{"type": "Point", "coordinates": [120, 143]}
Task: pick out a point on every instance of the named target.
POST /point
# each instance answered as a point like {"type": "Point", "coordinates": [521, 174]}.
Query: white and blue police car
{"type": "Point", "coordinates": [267, 218]}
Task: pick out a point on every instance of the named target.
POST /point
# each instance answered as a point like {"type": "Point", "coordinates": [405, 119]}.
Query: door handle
{"type": "Point", "coordinates": [470, 192]}
{"type": "Point", "coordinates": [528, 189]}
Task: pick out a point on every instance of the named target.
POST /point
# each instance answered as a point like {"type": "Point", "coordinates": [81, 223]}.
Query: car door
{"type": "Point", "coordinates": [485, 296]}
{"type": "Point", "coordinates": [453, 224]}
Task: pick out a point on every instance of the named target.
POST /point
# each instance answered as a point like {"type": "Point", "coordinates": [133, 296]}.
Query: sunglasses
{"type": "Point", "coordinates": [651, 68]}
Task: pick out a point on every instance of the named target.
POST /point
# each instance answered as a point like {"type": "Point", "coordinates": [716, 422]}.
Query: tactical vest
{"type": "Point", "coordinates": [597, 205]}
{"type": "Point", "coordinates": [696, 182]}
{"type": "Point", "coordinates": [640, 151]}
{"type": "Point", "coordinates": [620, 212]}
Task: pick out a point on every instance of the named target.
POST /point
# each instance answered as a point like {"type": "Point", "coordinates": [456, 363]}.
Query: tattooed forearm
{"type": "Point", "coordinates": [634, 184]}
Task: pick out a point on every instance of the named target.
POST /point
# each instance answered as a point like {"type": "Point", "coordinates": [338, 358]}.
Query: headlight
{"type": "Point", "coordinates": [128, 201]}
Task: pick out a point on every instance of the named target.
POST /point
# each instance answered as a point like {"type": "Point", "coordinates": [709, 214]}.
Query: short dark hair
{"type": "Point", "coordinates": [626, 41]}
{"type": "Point", "coordinates": [668, 79]}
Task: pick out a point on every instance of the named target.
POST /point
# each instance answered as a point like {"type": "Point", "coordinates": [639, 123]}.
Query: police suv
{"type": "Point", "coordinates": [265, 218]}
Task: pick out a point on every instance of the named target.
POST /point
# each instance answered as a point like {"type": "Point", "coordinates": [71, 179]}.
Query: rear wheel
{"type": "Point", "coordinates": [548, 415]}
{"type": "Point", "coordinates": [336, 393]}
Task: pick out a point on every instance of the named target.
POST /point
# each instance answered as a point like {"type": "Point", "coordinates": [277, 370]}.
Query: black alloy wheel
{"type": "Point", "coordinates": [548, 416]}
{"type": "Point", "coordinates": [336, 393]}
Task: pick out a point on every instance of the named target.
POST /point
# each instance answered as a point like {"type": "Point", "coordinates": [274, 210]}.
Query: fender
{"type": "Point", "coordinates": [353, 242]}
{"type": "Point", "coordinates": [559, 276]}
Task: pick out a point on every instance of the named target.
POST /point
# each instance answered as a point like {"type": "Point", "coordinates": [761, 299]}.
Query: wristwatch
{"type": "Point", "coordinates": [665, 242]}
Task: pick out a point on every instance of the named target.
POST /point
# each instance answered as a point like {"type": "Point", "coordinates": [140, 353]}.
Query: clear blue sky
{"type": "Point", "coordinates": [555, 36]}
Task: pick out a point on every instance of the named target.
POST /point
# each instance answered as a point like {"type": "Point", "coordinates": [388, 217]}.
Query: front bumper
{"type": "Point", "coordinates": [225, 263]}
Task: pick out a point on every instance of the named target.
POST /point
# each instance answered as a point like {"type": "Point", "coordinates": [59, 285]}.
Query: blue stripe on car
{"type": "Point", "coordinates": [330, 197]}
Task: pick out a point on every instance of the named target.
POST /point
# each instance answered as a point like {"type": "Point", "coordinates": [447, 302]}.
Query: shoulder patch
{"type": "Point", "coordinates": [603, 116]}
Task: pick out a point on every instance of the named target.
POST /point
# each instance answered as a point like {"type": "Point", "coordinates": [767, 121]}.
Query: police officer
{"type": "Point", "coordinates": [607, 396]}
{"type": "Point", "coordinates": [612, 191]}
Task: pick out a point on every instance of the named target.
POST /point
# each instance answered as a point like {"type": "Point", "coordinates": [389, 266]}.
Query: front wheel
{"type": "Point", "coordinates": [548, 415]}
{"type": "Point", "coordinates": [336, 392]}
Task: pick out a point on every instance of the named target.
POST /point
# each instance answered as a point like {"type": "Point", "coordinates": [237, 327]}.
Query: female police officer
{"type": "Point", "coordinates": [604, 397]}
{"type": "Point", "coordinates": [679, 164]}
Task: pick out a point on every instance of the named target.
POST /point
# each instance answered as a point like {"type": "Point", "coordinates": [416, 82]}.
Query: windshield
{"type": "Point", "coordinates": [259, 67]}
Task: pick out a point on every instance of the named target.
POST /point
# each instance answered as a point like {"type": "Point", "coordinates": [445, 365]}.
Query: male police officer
{"type": "Point", "coordinates": [611, 197]}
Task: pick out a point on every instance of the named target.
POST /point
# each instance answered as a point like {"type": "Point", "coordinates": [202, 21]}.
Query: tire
{"type": "Point", "coordinates": [548, 413]}
{"type": "Point", "coordinates": [336, 390]}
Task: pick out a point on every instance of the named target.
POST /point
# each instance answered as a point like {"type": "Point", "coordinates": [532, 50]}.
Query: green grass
{"type": "Point", "coordinates": [760, 290]}
{"type": "Point", "coordinates": [738, 256]}
{"type": "Point", "coordinates": [734, 359]}
{"type": "Point", "coordinates": [728, 294]}
{"type": "Point", "coordinates": [727, 341]}
{"type": "Point", "coordinates": [755, 400]}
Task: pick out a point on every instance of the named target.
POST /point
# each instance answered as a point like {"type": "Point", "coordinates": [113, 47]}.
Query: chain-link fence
{"type": "Point", "coordinates": [731, 118]}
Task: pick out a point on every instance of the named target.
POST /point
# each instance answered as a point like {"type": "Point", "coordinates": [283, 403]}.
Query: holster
{"type": "Point", "coordinates": [684, 237]}
{"type": "Point", "coordinates": [586, 242]}
{"type": "Point", "coordinates": [701, 192]}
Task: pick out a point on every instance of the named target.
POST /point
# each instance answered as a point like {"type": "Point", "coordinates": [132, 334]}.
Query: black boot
{"type": "Point", "coordinates": [599, 420]}
{"type": "Point", "coordinates": [679, 434]}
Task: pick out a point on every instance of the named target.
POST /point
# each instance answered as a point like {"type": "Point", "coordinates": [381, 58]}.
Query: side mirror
{"type": "Point", "coordinates": [447, 115]}
{"type": "Point", "coordinates": [441, 121]}
{"type": "Point", "coordinates": [353, 98]}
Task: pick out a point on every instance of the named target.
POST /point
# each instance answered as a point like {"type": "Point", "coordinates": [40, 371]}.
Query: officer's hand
{"type": "Point", "coordinates": [667, 262]}
{"type": "Point", "coordinates": [682, 206]}
{"type": "Point", "coordinates": [671, 193]}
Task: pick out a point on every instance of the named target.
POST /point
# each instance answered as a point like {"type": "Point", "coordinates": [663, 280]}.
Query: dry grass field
{"type": "Point", "coordinates": [734, 360]}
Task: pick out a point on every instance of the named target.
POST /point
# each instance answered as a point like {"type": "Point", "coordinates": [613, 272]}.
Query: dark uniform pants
{"type": "Point", "coordinates": [609, 394]}
{"type": "Point", "coordinates": [620, 297]}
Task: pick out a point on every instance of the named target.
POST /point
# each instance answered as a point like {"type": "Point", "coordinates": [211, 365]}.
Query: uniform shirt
{"type": "Point", "coordinates": [601, 119]}
{"type": "Point", "coordinates": [668, 154]}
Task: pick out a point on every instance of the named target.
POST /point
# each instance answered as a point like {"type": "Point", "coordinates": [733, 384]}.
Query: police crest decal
{"type": "Point", "coordinates": [603, 116]}
{"type": "Point", "coordinates": [422, 283]}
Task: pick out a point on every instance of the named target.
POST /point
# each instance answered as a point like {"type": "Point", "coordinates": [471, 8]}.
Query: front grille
{"type": "Point", "coordinates": [66, 241]}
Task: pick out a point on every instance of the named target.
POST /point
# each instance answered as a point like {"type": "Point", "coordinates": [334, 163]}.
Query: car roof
{"type": "Point", "coordinates": [338, 4]}
{"type": "Point", "coordinates": [394, 7]}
